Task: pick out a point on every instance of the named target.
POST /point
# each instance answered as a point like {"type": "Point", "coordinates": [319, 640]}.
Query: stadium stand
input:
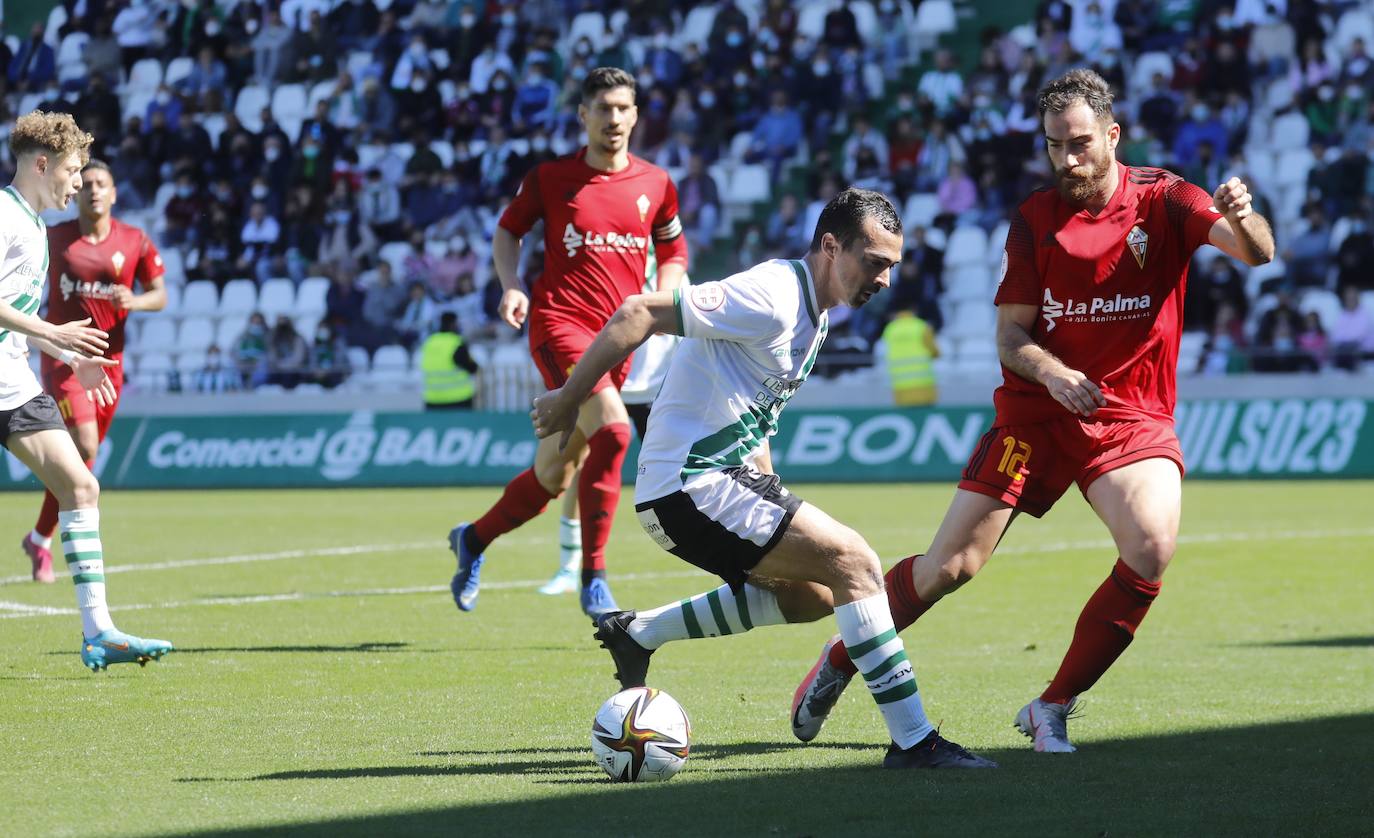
{"type": "Point", "coordinates": [279, 160]}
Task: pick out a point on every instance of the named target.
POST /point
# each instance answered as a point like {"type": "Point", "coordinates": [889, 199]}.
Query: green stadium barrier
{"type": "Point", "coordinates": [1258, 438]}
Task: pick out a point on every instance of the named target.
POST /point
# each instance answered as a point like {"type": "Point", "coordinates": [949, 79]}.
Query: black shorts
{"type": "Point", "coordinates": [723, 522]}
{"type": "Point", "coordinates": [639, 415]}
{"type": "Point", "coordinates": [39, 413]}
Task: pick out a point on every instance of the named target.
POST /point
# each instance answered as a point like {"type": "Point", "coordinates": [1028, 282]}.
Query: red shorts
{"type": "Point", "coordinates": [60, 382]}
{"type": "Point", "coordinates": [1031, 466]}
{"type": "Point", "coordinates": [562, 347]}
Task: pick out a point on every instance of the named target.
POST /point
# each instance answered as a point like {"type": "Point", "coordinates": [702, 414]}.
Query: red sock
{"type": "Point", "coordinates": [1105, 628]}
{"type": "Point", "coordinates": [523, 499]}
{"type": "Point", "coordinates": [902, 599]}
{"type": "Point", "coordinates": [598, 491]}
{"type": "Point", "coordinates": [47, 516]}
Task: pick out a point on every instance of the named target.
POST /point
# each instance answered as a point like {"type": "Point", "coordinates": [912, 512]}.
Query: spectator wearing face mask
{"type": "Point", "coordinates": [288, 356]}
{"type": "Point", "coordinates": [250, 352]}
{"type": "Point", "coordinates": [347, 242]}
{"type": "Point", "coordinates": [183, 213]}
{"type": "Point", "coordinates": [379, 204]}
{"type": "Point", "coordinates": [328, 364]}
{"type": "Point", "coordinates": [1202, 125]}
{"type": "Point", "coordinates": [271, 49]}
{"type": "Point", "coordinates": [486, 65]}
{"type": "Point", "coordinates": [456, 261]}
{"type": "Point", "coordinates": [260, 239]}
{"type": "Point", "coordinates": [417, 316]}
{"type": "Point", "coordinates": [536, 100]}
{"type": "Point", "coordinates": [1352, 334]}
{"type": "Point", "coordinates": [214, 376]}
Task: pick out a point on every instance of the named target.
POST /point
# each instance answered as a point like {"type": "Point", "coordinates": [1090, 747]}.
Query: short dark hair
{"type": "Point", "coordinates": [844, 216]}
{"type": "Point", "coordinates": [1081, 85]}
{"type": "Point", "coordinates": [606, 78]}
{"type": "Point", "coordinates": [96, 163]}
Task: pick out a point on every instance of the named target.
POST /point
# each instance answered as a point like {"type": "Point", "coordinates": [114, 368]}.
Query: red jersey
{"type": "Point", "coordinates": [1110, 291]}
{"type": "Point", "coordinates": [82, 276]}
{"type": "Point", "coordinates": [597, 227]}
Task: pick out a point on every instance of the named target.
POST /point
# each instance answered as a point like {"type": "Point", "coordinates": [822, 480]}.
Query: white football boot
{"type": "Point", "coordinates": [1047, 725]}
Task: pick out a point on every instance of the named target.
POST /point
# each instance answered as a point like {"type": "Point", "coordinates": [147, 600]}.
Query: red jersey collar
{"type": "Point", "coordinates": [581, 157]}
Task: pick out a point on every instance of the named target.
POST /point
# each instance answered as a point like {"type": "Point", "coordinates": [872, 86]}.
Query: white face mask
{"type": "Point", "coordinates": [271, 153]}
{"type": "Point", "coordinates": [260, 192]}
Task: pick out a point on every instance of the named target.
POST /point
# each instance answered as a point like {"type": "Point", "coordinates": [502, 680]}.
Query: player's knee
{"type": "Point", "coordinates": [84, 491]}
{"type": "Point", "coordinates": [859, 569]}
{"type": "Point", "coordinates": [555, 476]}
{"type": "Point", "coordinates": [1152, 554]}
{"type": "Point", "coordinates": [941, 575]}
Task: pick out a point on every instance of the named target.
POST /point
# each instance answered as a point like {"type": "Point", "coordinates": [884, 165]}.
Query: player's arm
{"type": "Point", "coordinates": [670, 242]}
{"type": "Point", "coordinates": [505, 256]}
{"type": "Point", "coordinates": [77, 336]}
{"type": "Point", "coordinates": [1241, 232]}
{"type": "Point", "coordinates": [89, 370]}
{"type": "Point", "coordinates": [1033, 362]}
{"type": "Point", "coordinates": [152, 299]}
{"type": "Point", "coordinates": [639, 317]}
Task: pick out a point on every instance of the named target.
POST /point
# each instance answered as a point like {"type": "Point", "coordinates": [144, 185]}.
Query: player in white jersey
{"type": "Point", "coordinates": [705, 490]}
{"type": "Point", "coordinates": [49, 151]}
{"type": "Point", "coordinates": [647, 370]}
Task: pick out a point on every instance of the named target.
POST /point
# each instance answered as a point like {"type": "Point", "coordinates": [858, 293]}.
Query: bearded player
{"type": "Point", "coordinates": [1089, 315]}
{"type": "Point", "coordinates": [601, 207]}
{"type": "Point", "coordinates": [95, 260]}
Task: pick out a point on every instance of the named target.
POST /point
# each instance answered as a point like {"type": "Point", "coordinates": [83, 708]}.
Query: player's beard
{"type": "Point", "coordinates": [1080, 191]}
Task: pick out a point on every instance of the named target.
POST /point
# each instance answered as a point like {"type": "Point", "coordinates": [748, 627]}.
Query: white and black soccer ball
{"type": "Point", "coordinates": [641, 735]}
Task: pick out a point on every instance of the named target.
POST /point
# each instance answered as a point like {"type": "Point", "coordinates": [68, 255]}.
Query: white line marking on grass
{"type": "Point", "coordinates": [313, 553]}
{"type": "Point", "coordinates": [16, 610]}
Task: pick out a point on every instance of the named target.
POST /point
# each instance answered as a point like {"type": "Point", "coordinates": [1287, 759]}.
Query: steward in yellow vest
{"type": "Point", "coordinates": [448, 368]}
{"type": "Point", "coordinates": [910, 347]}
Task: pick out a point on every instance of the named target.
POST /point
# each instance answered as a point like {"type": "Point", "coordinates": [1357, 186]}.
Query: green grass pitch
{"type": "Point", "coordinates": [325, 684]}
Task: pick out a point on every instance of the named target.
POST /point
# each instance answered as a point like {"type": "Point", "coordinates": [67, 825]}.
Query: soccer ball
{"type": "Point", "coordinates": [641, 735]}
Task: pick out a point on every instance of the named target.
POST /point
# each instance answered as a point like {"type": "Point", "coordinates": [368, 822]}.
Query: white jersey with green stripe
{"type": "Point", "coordinates": [750, 340]}
{"type": "Point", "coordinates": [23, 270]}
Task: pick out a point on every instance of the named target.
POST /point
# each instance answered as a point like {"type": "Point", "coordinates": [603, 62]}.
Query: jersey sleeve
{"type": "Point", "coordinates": [526, 209]}
{"type": "Point", "coordinates": [1190, 213]}
{"type": "Point", "coordinates": [150, 265]}
{"type": "Point", "coordinates": [1020, 281]}
{"type": "Point", "coordinates": [736, 308]}
{"type": "Point", "coordinates": [670, 245]}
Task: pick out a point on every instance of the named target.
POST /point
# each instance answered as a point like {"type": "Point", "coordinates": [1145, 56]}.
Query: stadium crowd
{"type": "Point", "coordinates": [374, 144]}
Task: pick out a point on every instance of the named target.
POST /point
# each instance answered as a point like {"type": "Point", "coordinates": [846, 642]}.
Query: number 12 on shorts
{"type": "Point", "coordinates": [1015, 457]}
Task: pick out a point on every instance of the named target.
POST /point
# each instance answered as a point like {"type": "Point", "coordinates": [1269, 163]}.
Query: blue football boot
{"type": "Point", "coordinates": [597, 599]}
{"type": "Point", "coordinates": [114, 646]}
{"type": "Point", "coordinates": [468, 578]}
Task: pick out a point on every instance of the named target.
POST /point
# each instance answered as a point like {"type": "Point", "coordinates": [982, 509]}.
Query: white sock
{"type": "Point", "coordinates": [40, 539]}
{"type": "Point", "coordinates": [570, 543]}
{"type": "Point", "coordinates": [80, 530]}
{"type": "Point", "coordinates": [871, 639]}
{"type": "Point", "coordinates": [712, 614]}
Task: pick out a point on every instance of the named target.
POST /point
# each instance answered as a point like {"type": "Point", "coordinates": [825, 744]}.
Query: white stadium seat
{"type": "Point", "coordinates": [391, 358]}
{"type": "Point", "coordinates": [227, 331]}
{"type": "Point", "coordinates": [749, 185]}
{"type": "Point", "coordinates": [936, 17]}
{"type": "Point", "coordinates": [200, 299]}
{"type": "Point", "coordinates": [968, 245]}
{"type": "Point", "coordinates": [1290, 131]}
{"type": "Point", "coordinates": [289, 109]}
{"type": "Point", "coordinates": [357, 359]}
{"type": "Point", "coordinates": [696, 29]}
{"type": "Point", "coordinates": [240, 297]}
{"type": "Point", "coordinates": [145, 76]}
{"type": "Point", "coordinates": [196, 333]}
{"type": "Point", "coordinates": [157, 335]}
{"type": "Point", "coordinates": [311, 297]}
{"type": "Point", "coordinates": [248, 107]}
{"type": "Point", "coordinates": [973, 319]}
{"type": "Point", "coordinates": [178, 69]}
{"type": "Point", "coordinates": [1325, 303]}
{"type": "Point", "coordinates": [969, 282]}
{"type": "Point", "coordinates": [276, 297]}
{"type": "Point", "coordinates": [920, 209]}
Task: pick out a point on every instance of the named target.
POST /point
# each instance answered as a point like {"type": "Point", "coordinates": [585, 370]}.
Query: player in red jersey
{"type": "Point", "coordinates": [1090, 311]}
{"type": "Point", "coordinates": [601, 207]}
{"type": "Point", "coordinates": [94, 262]}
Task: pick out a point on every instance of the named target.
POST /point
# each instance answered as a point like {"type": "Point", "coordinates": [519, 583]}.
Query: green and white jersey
{"type": "Point", "coordinates": [750, 340]}
{"type": "Point", "coordinates": [23, 269]}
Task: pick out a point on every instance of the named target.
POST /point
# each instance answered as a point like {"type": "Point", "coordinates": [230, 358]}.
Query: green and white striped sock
{"type": "Point", "coordinates": [570, 543]}
{"type": "Point", "coordinates": [712, 614]}
{"type": "Point", "coordinates": [80, 530]}
{"type": "Point", "coordinates": [872, 642]}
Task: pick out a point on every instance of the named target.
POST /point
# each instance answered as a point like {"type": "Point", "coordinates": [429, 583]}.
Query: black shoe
{"type": "Point", "coordinates": [934, 751]}
{"type": "Point", "coordinates": [631, 659]}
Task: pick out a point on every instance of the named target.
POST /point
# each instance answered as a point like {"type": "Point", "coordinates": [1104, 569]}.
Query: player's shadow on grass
{"type": "Point", "coordinates": [1281, 778]}
{"type": "Point", "coordinates": [497, 763]}
{"type": "Point", "coordinates": [1354, 641]}
{"type": "Point", "coordinates": [322, 647]}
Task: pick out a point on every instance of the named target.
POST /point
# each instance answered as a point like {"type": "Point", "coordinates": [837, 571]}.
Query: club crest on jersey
{"type": "Point", "coordinates": [642, 204]}
{"type": "Point", "coordinates": [118, 261]}
{"type": "Point", "coordinates": [708, 297]}
{"type": "Point", "coordinates": [1137, 241]}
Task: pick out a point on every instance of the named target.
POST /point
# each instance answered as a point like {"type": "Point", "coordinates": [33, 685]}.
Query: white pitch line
{"type": "Point", "coordinates": [245, 558]}
{"type": "Point", "coordinates": [17, 610]}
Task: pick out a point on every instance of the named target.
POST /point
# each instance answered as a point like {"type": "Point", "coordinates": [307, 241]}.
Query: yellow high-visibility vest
{"type": "Point", "coordinates": [908, 361]}
{"type": "Point", "coordinates": [445, 381]}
